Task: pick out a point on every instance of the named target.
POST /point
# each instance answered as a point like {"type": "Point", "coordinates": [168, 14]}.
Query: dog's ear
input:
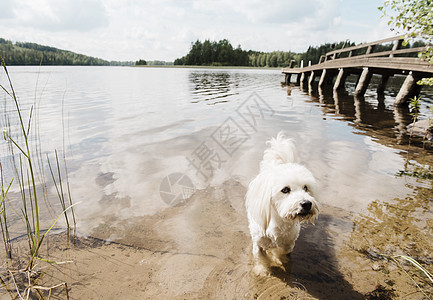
{"type": "Point", "coordinates": [259, 200]}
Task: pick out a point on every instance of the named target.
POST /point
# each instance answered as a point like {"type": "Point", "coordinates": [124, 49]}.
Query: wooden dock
{"type": "Point", "coordinates": [334, 67]}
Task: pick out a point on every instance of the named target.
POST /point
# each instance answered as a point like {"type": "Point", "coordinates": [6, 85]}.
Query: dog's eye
{"type": "Point", "coordinates": [305, 188]}
{"type": "Point", "coordinates": [285, 190]}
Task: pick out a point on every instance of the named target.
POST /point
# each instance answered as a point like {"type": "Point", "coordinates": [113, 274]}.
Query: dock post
{"type": "Point", "coordinates": [370, 49]}
{"type": "Point", "coordinates": [363, 82]}
{"type": "Point", "coordinates": [311, 78]}
{"type": "Point", "coordinates": [382, 84]}
{"type": "Point", "coordinates": [341, 79]}
{"type": "Point", "coordinates": [396, 46]}
{"type": "Point", "coordinates": [322, 78]}
{"type": "Point", "coordinates": [287, 78]}
{"type": "Point", "coordinates": [302, 77]}
{"type": "Point", "coordinates": [303, 80]}
{"type": "Point", "coordinates": [409, 89]}
{"type": "Point", "coordinates": [327, 77]}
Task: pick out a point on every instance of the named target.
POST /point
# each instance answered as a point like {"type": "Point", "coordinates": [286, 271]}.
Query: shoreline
{"type": "Point", "coordinates": [159, 66]}
{"type": "Point", "coordinates": [206, 67]}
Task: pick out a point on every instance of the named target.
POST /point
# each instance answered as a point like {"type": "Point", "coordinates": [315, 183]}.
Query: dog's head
{"type": "Point", "coordinates": [286, 190]}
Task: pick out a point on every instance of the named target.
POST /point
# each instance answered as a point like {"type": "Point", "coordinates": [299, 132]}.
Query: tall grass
{"type": "Point", "coordinates": [3, 224]}
{"type": "Point", "coordinates": [417, 267]}
{"type": "Point", "coordinates": [25, 158]}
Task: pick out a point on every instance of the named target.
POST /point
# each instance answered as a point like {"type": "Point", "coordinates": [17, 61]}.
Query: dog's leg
{"type": "Point", "coordinates": [279, 255]}
{"type": "Point", "coordinates": [261, 261]}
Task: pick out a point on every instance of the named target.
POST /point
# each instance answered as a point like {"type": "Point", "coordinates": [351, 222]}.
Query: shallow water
{"type": "Point", "coordinates": [131, 134]}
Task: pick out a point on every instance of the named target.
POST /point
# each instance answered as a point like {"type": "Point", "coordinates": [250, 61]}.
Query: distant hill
{"type": "Point", "coordinates": [22, 53]}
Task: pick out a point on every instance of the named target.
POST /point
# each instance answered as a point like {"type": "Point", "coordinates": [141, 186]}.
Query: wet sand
{"type": "Point", "coordinates": [375, 190]}
{"type": "Point", "coordinates": [201, 248]}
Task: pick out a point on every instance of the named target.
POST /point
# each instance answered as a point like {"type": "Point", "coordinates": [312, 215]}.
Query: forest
{"type": "Point", "coordinates": [21, 53]}
{"type": "Point", "coordinates": [214, 53]}
{"type": "Point", "coordinates": [207, 53]}
{"type": "Point", "coordinates": [222, 53]}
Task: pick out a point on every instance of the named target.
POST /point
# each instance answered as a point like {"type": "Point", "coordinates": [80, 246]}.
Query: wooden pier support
{"type": "Point", "coordinates": [287, 78]}
{"type": "Point", "coordinates": [408, 89]}
{"type": "Point", "coordinates": [303, 81]}
{"type": "Point", "coordinates": [327, 77]}
{"type": "Point", "coordinates": [382, 84]}
{"type": "Point", "coordinates": [346, 61]}
{"type": "Point", "coordinates": [311, 78]}
{"type": "Point", "coordinates": [341, 79]}
{"type": "Point", "coordinates": [363, 82]}
{"type": "Point", "coordinates": [322, 78]}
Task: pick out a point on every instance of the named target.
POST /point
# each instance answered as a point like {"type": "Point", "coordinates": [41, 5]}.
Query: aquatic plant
{"type": "Point", "coordinates": [397, 233]}
{"type": "Point", "coordinates": [415, 105]}
{"type": "Point", "coordinates": [3, 218]}
{"type": "Point", "coordinates": [25, 158]}
{"type": "Point", "coordinates": [417, 265]}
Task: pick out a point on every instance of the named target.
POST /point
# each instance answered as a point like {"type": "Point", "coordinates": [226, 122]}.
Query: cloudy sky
{"type": "Point", "coordinates": [164, 29]}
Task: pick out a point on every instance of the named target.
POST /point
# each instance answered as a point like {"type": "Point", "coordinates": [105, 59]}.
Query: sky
{"type": "Point", "coordinates": [128, 30]}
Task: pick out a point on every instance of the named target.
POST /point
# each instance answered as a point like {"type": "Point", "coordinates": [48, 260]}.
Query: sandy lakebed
{"type": "Point", "coordinates": [127, 130]}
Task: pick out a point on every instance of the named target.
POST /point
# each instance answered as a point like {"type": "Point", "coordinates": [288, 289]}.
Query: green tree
{"type": "Point", "coordinates": [219, 53]}
{"type": "Point", "coordinates": [141, 62]}
{"type": "Point", "coordinates": [273, 60]}
{"type": "Point", "coordinates": [207, 52]}
{"type": "Point", "coordinates": [22, 53]}
{"type": "Point", "coordinates": [261, 60]}
{"type": "Point", "coordinates": [414, 19]}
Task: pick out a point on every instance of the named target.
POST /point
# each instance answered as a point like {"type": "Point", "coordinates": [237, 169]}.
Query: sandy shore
{"type": "Point", "coordinates": [200, 249]}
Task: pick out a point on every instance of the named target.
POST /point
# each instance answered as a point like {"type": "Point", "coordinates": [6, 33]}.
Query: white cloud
{"type": "Point", "coordinates": [61, 15]}
{"type": "Point", "coordinates": [6, 11]}
{"type": "Point", "coordinates": [133, 29]}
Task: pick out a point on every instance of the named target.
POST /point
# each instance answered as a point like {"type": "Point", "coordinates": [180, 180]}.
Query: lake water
{"type": "Point", "coordinates": [141, 142]}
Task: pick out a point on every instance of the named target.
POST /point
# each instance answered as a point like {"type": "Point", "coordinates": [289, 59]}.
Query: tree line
{"type": "Point", "coordinates": [222, 53]}
{"type": "Point", "coordinates": [207, 53]}
{"type": "Point", "coordinates": [272, 59]}
{"type": "Point", "coordinates": [142, 62]}
{"type": "Point", "coordinates": [23, 53]}
{"type": "Point", "coordinates": [214, 53]}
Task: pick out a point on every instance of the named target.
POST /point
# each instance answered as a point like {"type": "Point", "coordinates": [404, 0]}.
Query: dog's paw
{"type": "Point", "coordinates": [261, 270]}
{"type": "Point", "coordinates": [281, 260]}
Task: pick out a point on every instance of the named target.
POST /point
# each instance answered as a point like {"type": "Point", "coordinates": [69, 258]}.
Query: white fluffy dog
{"type": "Point", "coordinates": [277, 201]}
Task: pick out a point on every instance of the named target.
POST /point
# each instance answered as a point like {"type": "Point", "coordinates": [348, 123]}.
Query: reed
{"type": "Point", "coordinates": [3, 218]}
{"type": "Point", "coordinates": [26, 163]}
{"type": "Point", "coordinates": [417, 267]}
{"type": "Point", "coordinates": [414, 106]}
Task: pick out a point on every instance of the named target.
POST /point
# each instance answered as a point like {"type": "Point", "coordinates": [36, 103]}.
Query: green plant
{"type": "Point", "coordinates": [3, 218]}
{"type": "Point", "coordinates": [417, 266]}
{"type": "Point", "coordinates": [413, 18]}
{"type": "Point", "coordinates": [25, 156]}
{"type": "Point", "coordinates": [414, 105]}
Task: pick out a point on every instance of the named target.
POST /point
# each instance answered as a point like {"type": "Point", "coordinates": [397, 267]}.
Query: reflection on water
{"type": "Point", "coordinates": [212, 86]}
{"type": "Point", "coordinates": [126, 129]}
{"type": "Point", "coordinates": [401, 226]}
{"type": "Point", "coordinates": [412, 215]}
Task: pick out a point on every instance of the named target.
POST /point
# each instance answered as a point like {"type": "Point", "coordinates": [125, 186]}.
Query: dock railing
{"type": "Point", "coordinates": [369, 50]}
{"type": "Point", "coordinates": [365, 60]}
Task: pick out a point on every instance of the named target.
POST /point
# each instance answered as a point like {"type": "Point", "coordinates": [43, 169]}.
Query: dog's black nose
{"type": "Point", "coordinates": [306, 205]}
